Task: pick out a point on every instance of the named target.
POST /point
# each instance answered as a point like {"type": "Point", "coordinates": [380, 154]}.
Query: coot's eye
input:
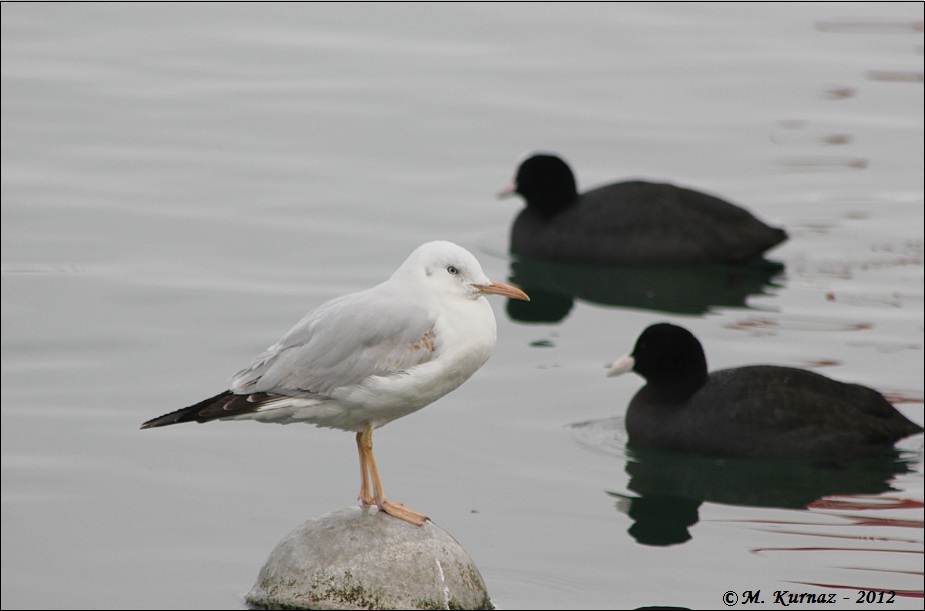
{"type": "Point", "coordinates": [452, 270]}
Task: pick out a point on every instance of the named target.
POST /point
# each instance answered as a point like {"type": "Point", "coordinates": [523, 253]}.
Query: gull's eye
{"type": "Point", "coordinates": [451, 270]}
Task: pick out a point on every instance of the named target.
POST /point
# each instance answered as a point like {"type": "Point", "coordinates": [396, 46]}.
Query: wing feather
{"type": "Point", "coordinates": [341, 343]}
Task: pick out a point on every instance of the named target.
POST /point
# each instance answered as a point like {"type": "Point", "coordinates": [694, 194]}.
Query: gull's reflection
{"type": "Point", "coordinates": [692, 289]}
{"type": "Point", "coordinates": [671, 486]}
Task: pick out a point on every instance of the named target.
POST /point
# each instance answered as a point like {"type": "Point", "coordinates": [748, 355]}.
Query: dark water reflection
{"type": "Point", "coordinates": [672, 486]}
{"type": "Point", "coordinates": [694, 290]}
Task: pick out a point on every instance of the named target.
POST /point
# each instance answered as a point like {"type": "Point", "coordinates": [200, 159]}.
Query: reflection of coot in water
{"type": "Point", "coordinates": [546, 307]}
{"type": "Point", "coordinates": [661, 520]}
{"type": "Point", "coordinates": [672, 486]}
{"type": "Point", "coordinates": [760, 411]}
{"type": "Point", "coordinates": [693, 289]}
{"type": "Point", "coordinates": [629, 223]}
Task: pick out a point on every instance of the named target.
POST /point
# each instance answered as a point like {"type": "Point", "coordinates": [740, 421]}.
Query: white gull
{"type": "Point", "coordinates": [362, 360]}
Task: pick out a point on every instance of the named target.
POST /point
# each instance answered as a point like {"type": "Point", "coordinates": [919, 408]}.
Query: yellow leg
{"type": "Point", "coordinates": [370, 474]}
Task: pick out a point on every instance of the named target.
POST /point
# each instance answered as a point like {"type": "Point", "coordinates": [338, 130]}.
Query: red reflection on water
{"type": "Point", "coordinates": [820, 162]}
{"type": "Point", "coordinates": [823, 363]}
{"type": "Point", "coordinates": [837, 139]}
{"type": "Point", "coordinates": [896, 76]}
{"type": "Point", "coordinates": [840, 92]}
{"type": "Point", "coordinates": [757, 323]}
{"type": "Point", "coordinates": [898, 396]}
{"type": "Point", "coordinates": [860, 503]}
{"type": "Point", "coordinates": [868, 521]}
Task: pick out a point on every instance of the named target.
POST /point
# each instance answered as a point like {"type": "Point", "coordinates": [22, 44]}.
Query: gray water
{"type": "Point", "coordinates": [180, 183]}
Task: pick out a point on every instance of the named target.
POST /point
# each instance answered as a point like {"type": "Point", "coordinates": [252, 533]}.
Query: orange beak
{"type": "Point", "coordinates": [497, 288]}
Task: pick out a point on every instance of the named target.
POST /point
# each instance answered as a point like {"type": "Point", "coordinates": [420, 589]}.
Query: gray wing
{"type": "Point", "coordinates": [340, 343]}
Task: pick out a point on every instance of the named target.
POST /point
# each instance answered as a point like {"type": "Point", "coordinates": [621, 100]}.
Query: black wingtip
{"type": "Point", "coordinates": [150, 424]}
{"type": "Point", "coordinates": [193, 413]}
{"type": "Point", "coordinates": [171, 418]}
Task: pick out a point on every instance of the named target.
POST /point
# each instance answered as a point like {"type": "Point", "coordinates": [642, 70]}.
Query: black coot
{"type": "Point", "coordinates": [760, 411]}
{"type": "Point", "coordinates": [629, 223]}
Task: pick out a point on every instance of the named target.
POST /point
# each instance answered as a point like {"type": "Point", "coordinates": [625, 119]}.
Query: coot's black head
{"type": "Point", "coordinates": [546, 183]}
{"type": "Point", "coordinates": [671, 360]}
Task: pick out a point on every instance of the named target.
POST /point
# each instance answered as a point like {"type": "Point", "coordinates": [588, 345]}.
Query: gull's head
{"type": "Point", "coordinates": [445, 268]}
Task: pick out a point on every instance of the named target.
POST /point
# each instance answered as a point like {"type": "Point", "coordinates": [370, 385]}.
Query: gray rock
{"type": "Point", "coordinates": [358, 558]}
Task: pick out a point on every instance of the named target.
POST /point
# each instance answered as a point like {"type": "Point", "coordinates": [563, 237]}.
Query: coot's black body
{"type": "Point", "coordinates": [629, 223]}
{"type": "Point", "coordinates": [760, 411]}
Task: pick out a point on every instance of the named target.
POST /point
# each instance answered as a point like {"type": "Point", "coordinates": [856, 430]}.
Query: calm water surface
{"type": "Point", "coordinates": [182, 182]}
